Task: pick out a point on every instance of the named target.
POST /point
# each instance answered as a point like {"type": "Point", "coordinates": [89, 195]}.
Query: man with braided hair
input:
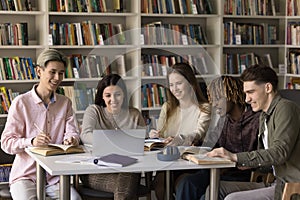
{"type": "Point", "coordinates": [237, 130]}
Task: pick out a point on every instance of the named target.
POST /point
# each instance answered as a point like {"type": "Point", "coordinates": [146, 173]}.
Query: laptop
{"type": "Point", "coordinates": [128, 142]}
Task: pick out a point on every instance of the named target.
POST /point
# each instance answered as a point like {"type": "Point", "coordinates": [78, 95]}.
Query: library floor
{"type": "Point", "coordinates": [152, 196]}
{"type": "Point", "coordinates": [152, 192]}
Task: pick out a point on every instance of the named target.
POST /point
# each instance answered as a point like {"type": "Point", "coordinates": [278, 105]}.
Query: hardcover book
{"type": "Point", "coordinates": [202, 159]}
{"type": "Point", "coordinates": [198, 155]}
{"type": "Point", "coordinates": [115, 160]}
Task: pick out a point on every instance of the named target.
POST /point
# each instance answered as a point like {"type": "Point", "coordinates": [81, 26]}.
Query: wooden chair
{"type": "Point", "coordinates": [257, 176]}
{"type": "Point", "coordinates": [290, 189]}
{"type": "Point", "coordinates": [91, 194]}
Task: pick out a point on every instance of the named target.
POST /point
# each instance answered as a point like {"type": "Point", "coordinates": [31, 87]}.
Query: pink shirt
{"type": "Point", "coordinates": [57, 119]}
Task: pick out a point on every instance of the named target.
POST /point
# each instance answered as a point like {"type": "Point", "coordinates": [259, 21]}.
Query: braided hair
{"type": "Point", "coordinates": [229, 87]}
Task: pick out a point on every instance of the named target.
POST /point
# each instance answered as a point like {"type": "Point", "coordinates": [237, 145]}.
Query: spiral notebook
{"type": "Point", "coordinates": [128, 142]}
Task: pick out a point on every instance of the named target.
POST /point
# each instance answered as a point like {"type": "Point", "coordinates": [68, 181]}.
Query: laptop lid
{"type": "Point", "coordinates": [124, 142]}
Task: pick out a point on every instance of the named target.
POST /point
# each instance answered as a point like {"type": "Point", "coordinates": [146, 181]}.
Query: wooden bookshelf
{"type": "Point", "coordinates": [134, 18]}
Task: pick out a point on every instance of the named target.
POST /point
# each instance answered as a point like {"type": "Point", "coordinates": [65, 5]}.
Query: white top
{"type": "Point", "coordinates": [189, 114]}
{"type": "Point", "coordinates": [265, 136]}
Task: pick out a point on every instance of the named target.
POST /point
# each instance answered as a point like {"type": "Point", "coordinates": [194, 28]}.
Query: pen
{"type": "Point", "coordinates": [38, 128]}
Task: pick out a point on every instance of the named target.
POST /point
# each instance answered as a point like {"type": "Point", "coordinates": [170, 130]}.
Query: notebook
{"type": "Point", "coordinates": [128, 142]}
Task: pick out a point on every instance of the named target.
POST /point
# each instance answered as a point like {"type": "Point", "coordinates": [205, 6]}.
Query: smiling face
{"type": "Point", "coordinates": [258, 95]}
{"type": "Point", "coordinates": [179, 86]}
{"type": "Point", "coordinates": [113, 97]}
{"type": "Point", "coordinates": [51, 75]}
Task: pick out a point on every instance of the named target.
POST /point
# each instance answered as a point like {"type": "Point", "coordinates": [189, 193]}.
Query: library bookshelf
{"type": "Point", "coordinates": [219, 44]}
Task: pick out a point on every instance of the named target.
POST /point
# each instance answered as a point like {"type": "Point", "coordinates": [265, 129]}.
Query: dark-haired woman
{"type": "Point", "coordinates": [111, 111]}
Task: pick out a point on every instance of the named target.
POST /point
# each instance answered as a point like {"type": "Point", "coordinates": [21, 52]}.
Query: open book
{"type": "Point", "coordinates": [198, 155]}
{"type": "Point", "coordinates": [56, 149]}
{"type": "Point", "coordinates": [154, 144]}
{"type": "Point", "coordinates": [115, 160]}
{"type": "Point", "coordinates": [202, 159]}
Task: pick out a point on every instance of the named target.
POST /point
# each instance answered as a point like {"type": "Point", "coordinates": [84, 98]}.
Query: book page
{"type": "Point", "coordinates": [157, 143]}
{"type": "Point", "coordinates": [152, 140]}
{"type": "Point", "coordinates": [61, 146]}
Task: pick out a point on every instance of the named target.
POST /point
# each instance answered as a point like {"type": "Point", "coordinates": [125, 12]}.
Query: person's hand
{"type": "Point", "coordinates": [168, 140]}
{"type": "Point", "coordinates": [71, 141]}
{"type": "Point", "coordinates": [223, 153]}
{"type": "Point", "coordinates": [154, 133]}
{"type": "Point", "coordinates": [41, 139]}
{"type": "Point", "coordinates": [181, 140]}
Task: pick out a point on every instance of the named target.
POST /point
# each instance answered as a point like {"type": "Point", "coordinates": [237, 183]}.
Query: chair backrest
{"type": "Point", "coordinates": [290, 189]}
{"type": "Point", "coordinates": [293, 95]}
{"type": "Point", "coordinates": [257, 176]}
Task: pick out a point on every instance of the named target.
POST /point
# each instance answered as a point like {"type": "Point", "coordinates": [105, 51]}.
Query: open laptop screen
{"type": "Point", "coordinates": [124, 142]}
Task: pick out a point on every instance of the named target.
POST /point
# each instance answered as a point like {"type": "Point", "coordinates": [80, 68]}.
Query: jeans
{"type": "Point", "coordinates": [193, 186]}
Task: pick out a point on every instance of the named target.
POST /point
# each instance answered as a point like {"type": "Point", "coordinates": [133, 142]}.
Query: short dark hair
{"type": "Point", "coordinates": [260, 74]}
{"type": "Point", "coordinates": [110, 80]}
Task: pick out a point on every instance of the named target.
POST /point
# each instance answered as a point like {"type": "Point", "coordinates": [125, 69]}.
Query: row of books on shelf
{"type": "Point", "coordinates": [80, 95]}
{"type": "Point", "coordinates": [294, 83]}
{"type": "Point", "coordinates": [293, 33]}
{"type": "Point", "coordinates": [293, 7]}
{"type": "Point", "coordinates": [249, 7]}
{"type": "Point", "coordinates": [16, 5]}
{"type": "Point", "coordinates": [78, 66]}
{"type": "Point", "coordinates": [294, 61]}
{"type": "Point", "coordinates": [87, 33]}
{"type": "Point", "coordinates": [6, 97]}
{"type": "Point", "coordinates": [5, 172]}
{"type": "Point", "coordinates": [237, 63]}
{"type": "Point", "coordinates": [153, 95]}
{"type": "Point", "coordinates": [157, 65]}
{"type": "Point", "coordinates": [94, 66]}
{"type": "Point", "coordinates": [17, 68]}
{"type": "Point", "coordinates": [249, 33]}
{"type": "Point", "coordinates": [85, 6]}
{"type": "Point", "coordinates": [14, 33]}
{"type": "Point", "coordinates": [176, 6]}
{"type": "Point", "coordinates": [157, 33]}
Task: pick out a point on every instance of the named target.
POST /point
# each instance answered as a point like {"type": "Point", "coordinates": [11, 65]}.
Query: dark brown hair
{"type": "Point", "coordinates": [110, 80]}
{"type": "Point", "coordinates": [260, 74]}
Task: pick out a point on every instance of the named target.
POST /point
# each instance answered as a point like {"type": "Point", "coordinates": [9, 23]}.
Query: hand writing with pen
{"type": "Point", "coordinates": [156, 134]}
{"type": "Point", "coordinates": [43, 139]}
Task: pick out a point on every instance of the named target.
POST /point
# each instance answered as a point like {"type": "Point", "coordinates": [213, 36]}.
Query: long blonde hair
{"type": "Point", "coordinates": [186, 71]}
